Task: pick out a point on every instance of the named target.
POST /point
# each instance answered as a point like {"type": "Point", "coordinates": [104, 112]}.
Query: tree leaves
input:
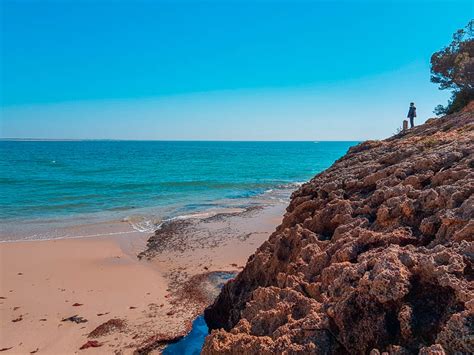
{"type": "Point", "coordinates": [453, 68]}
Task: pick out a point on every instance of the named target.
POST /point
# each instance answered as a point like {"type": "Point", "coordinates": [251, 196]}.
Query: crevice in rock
{"type": "Point", "coordinates": [431, 305]}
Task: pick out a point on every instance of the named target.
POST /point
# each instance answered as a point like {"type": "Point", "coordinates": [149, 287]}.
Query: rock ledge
{"type": "Point", "coordinates": [375, 254]}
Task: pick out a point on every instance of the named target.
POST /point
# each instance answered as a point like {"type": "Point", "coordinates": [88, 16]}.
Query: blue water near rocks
{"type": "Point", "coordinates": [192, 343]}
{"type": "Point", "coordinates": [56, 181]}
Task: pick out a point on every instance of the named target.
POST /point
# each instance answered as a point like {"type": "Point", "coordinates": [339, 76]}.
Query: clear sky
{"type": "Point", "coordinates": [220, 70]}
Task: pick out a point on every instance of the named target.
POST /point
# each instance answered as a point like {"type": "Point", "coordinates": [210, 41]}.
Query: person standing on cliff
{"type": "Point", "coordinates": [412, 114]}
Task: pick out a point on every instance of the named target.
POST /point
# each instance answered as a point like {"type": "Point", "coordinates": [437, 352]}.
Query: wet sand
{"type": "Point", "coordinates": [157, 296]}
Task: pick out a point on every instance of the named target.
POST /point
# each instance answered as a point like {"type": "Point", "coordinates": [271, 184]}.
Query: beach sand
{"type": "Point", "coordinates": [153, 299]}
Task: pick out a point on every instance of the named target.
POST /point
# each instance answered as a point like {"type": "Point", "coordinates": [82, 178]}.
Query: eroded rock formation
{"type": "Point", "coordinates": [375, 254]}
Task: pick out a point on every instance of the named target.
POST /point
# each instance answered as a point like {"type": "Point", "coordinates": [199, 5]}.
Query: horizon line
{"type": "Point", "coordinates": [162, 140]}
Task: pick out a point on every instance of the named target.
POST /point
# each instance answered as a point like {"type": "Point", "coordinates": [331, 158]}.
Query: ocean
{"type": "Point", "coordinates": [50, 186]}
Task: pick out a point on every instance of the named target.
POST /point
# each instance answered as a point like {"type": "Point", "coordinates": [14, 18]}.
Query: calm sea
{"type": "Point", "coordinates": [48, 184]}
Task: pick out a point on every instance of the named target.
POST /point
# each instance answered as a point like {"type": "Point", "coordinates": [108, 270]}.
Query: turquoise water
{"type": "Point", "coordinates": [56, 181]}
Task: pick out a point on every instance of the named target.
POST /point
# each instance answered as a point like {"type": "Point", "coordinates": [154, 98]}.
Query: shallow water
{"type": "Point", "coordinates": [48, 185]}
{"type": "Point", "coordinates": [193, 342]}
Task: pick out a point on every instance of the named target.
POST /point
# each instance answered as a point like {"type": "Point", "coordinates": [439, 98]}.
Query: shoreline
{"type": "Point", "coordinates": [96, 278]}
{"type": "Point", "coordinates": [140, 221]}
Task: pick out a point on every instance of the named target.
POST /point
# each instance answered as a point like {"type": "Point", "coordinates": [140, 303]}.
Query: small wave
{"type": "Point", "coordinates": [207, 214]}
{"type": "Point", "coordinates": [147, 224]}
{"type": "Point", "coordinates": [204, 215]}
{"type": "Point", "coordinates": [143, 224]}
{"type": "Point", "coordinates": [201, 215]}
{"type": "Point", "coordinates": [281, 193]}
{"type": "Point", "coordinates": [291, 185]}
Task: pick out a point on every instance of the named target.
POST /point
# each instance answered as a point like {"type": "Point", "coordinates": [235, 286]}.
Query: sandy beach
{"type": "Point", "coordinates": [144, 301]}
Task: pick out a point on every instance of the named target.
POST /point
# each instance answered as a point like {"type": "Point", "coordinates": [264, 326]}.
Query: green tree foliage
{"type": "Point", "coordinates": [453, 69]}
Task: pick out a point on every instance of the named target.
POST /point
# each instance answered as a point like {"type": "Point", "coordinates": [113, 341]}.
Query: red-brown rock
{"type": "Point", "coordinates": [112, 325]}
{"type": "Point", "coordinates": [374, 255]}
{"type": "Point", "coordinates": [91, 344]}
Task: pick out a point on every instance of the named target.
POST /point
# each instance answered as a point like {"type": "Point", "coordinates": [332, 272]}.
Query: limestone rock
{"type": "Point", "coordinates": [374, 255]}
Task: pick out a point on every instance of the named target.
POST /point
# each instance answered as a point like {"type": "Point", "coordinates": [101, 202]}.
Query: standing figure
{"type": "Point", "coordinates": [412, 114]}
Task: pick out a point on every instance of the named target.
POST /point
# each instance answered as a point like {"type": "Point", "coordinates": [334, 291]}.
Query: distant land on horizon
{"type": "Point", "coordinates": [160, 140]}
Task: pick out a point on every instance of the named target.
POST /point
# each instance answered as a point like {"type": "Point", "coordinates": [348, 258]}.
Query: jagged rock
{"type": "Point", "coordinates": [374, 255]}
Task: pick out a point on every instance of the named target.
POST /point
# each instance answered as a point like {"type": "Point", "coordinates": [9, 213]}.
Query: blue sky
{"type": "Point", "coordinates": [231, 70]}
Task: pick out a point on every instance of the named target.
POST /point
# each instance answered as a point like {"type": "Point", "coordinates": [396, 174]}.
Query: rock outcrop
{"type": "Point", "coordinates": [374, 255]}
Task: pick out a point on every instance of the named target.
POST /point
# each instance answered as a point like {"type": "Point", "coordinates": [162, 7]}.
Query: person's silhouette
{"type": "Point", "coordinates": [412, 114]}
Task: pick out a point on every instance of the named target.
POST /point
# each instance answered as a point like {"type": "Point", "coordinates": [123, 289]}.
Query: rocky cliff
{"type": "Point", "coordinates": [374, 254]}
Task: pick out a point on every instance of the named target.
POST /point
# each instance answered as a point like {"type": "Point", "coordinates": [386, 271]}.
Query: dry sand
{"type": "Point", "coordinates": [157, 296]}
